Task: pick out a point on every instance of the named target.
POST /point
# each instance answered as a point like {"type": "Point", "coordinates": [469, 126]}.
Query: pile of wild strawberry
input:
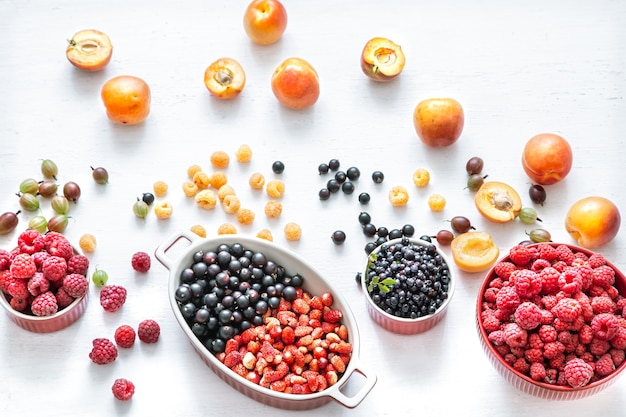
{"type": "Point", "coordinates": [556, 315]}
{"type": "Point", "coordinates": [43, 274]}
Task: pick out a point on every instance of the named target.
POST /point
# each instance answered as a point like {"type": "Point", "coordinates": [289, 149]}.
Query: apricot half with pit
{"type": "Point", "coordinates": [498, 202]}
{"type": "Point", "coordinates": [382, 59]}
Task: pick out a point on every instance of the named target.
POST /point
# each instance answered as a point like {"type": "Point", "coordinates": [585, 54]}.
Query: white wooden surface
{"type": "Point", "coordinates": [518, 68]}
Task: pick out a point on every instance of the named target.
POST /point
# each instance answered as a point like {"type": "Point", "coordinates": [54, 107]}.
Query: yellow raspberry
{"type": "Point", "coordinates": [163, 210]}
{"type": "Point", "coordinates": [220, 159]}
{"type": "Point", "coordinates": [160, 188]}
{"type": "Point", "coordinates": [190, 188]}
{"type": "Point", "coordinates": [243, 153]}
{"type": "Point", "coordinates": [265, 234]}
{"type": "Point", "coordinates": [225, 190]}
{"type": "Point", "coordinates": [293, 231]}
{"type": "Point", "coordinates": [205, 199]}
{"type": "Point", "coordinates": [436, 202]}
{"type": "Point", "coordinates": [256, 181]}
{"type": "Point", "coordinates": [231, 204]}
{"type": "Point", "coordinates": [245, 216]}
{"type": "Point", "coordinates": [421, 177]}
{"type": "Point", "coordinates": [218, 179]}
{"type": "Point", "coordinates": [192, 169]}
{"type": "Point", "coordinates": [87, 243]}
{"type": "Point", "coordinates": [398, 196]}
{"type": "Point", "coordinates": [275, 188]}
{"type": "Point", "coordinates": [273, 208]}
{"type": "Point", "coordinates": [226, 229]}
{"type": "Point", "coordinates": [201, 179]}
{"type": "Point", "coordinates": [198, 229]}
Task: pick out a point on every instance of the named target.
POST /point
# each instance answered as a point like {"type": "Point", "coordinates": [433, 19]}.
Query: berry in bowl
{"type": "Point", "coordinates": [264, 321]}
{"type": "Point", "coordinates": [550, 318]}
{"type": "Point", "coordinates": [408, 285]}
{"type": "Point", "coordinates": [43, 282]}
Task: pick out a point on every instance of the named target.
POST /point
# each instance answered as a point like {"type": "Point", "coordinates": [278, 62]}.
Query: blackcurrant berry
{"type": "Point", "coordinates": [323, 169]}
{"type": "Point", "coordinates": [334, 164]}
{"type": "Point", "coordinates": [537, 194]}
{"type": "Point", "coordinates": [333, 185]}
{"type": "Point", "coordinates": [324, 194]}
{"type": "Point", "coordinates": [338, 237]}
{"type": "Point", "coordinates": [278, 167]}
{"type": "Point", "coordinates": [353, 173]}
{"type": "Point", "coordinates": [347, 187]}
{"type": "Point", "coordinates": [364, 198]}
{"type": "Point", "coordinates": [148, 198]}
{"type": "Point", "coordinates": [364, 218]}
{"type": "Point", "coordinates": [474, 165]}
{"type": "Point", "coordinates": [378, 177]}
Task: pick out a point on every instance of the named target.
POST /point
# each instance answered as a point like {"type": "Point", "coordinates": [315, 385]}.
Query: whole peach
{"type": "Point", "coordinates": [547, 158]}
{"type": "Point", "coordinates": [265, 21]}
{"type": "Point", "coordinates": [593, 221]}
{"type": "Point", "coordinates": [439, 121]}
{"type": "Point", "coordinates": [295, 84]}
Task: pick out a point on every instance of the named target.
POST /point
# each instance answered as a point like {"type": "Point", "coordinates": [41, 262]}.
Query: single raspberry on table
{"type": "Point", "coordinates": [44, 304]}
{"type": "Point", "coordinates": [23, 266]}
{"type": "Point", "coordinates": [103, 351]}
{"type": "Point", "coordinates": [123, 389]}
{"type": "Point", "coordinates": [148, 331]}
{"type": "Point", "coordinates": [141, 262]}
{"type": "Point", "coordinates": [76, 285]}
{"type": "Point", "coordinates": [125, 336]}
{"type": "Point", "coordinates": [112, 297]}
{"type": "Point", "coordinates": [578, 372]}
{"type": "Point", "coordinates": [78, 264]}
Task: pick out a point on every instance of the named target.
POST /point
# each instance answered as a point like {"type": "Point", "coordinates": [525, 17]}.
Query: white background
{"type": "Point", "coordinates": [518, 69]}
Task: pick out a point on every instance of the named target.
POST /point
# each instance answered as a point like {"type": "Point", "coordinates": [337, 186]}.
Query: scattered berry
{"type": "Point", "coordinates": [123, 389]}
{"type": "Point", "coordinates": [398, 196]}
{"type": "Point", "coordinates": [338, 237]}
{"type": "Point", "coordinates": [148, 331]}
{"type": "Point", "coordinates": [112, 297]}
{"type": "Point", "coordinates": [140, 262]}
{"type": "Point", "coordinates": [103, 351]}
{"type": "Point", "coordinates": [220, 160]}
{"type": "Point", "coordinates": [160, 188]}
{"type": "Point", "coordinates": [292, 231]}
{"type": "Point", "coordinates": [147, 198]}
{"type": "Point", "coordinates": [163, 210]}
{"type": "Point", "coordinates": [243, 153]}
{"type": "Point", "coordinates": [125, 336]}
{"type": "Point", "coordinates": [378, 177]}
{"type": "Point", "coordinates": [278, 167]}
{"type": "Point", "coordinates": [100, 175]}
{"type": "Point", "coordinates": [87, 243]}
{"type": "Point", "coordinates": [364, 198]}
{"type": "Point", "coordinates": [436, 202]}
{"type": "Point", "coordinates": [275, 188]}
{"type": "Point", "coordinates": [421, 177]}
{"type": "Point", "coordinates": [99, 277]}
{"type": "Point", "coordinates": [141, 209]}
{"type": "Point", "coordinates": [334, 164]}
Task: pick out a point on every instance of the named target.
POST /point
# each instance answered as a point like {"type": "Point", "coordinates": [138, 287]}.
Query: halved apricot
{"type": "Point", "coordinates": [225, 78]}
{"type": "Point", "coordinates": [498, 202]}
{"type": "Point", "coordinates": [474, 251]}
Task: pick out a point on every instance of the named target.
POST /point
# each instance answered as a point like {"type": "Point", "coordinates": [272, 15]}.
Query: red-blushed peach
{"type": "Point", "coordinates": [265, 21]}
{"type": "Point", "coordinates": [547, 158]}
{"type": "Point", "coordinates": [593, 221]}
{"type": "Point", "coordinates": [295, 84]}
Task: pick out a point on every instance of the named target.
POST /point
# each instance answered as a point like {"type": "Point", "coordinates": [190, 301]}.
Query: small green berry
{"type": "Point", "coordinates": [49, 169]}
{"type": "Point", "coordinates": [29, 186]}
{"type": "Point", "coordinates": [141, 209]}
{"type": "Point", "coordinates": [99, 277]}
{"type": "Point", "coordinates": [60, 204]}
{"type": "Point", "coordinates": [29, 202]}
{"type": "Point", "coordinates": [38, 223]}
{"type": "Point", "coordinates": [58, 223]}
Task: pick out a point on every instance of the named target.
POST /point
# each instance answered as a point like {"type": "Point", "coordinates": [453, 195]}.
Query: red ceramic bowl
{"type": "Point", "coordinates": [314, 283]}
{"type": "Point", "coordinates": [524, 382]}
{"type": "Point", "coordinates": [402, 325]}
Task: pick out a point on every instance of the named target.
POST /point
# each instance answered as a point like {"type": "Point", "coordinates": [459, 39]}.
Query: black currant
{"type": "Point", "coordinates": [364, 198]}
{"type": "Point", "coordinates": [324, 194]}
{"type": "Point", "coordinates": [323, 169]}
{"type": "Point", "coordinates": [378, 177]}
{"type": "Point", "coordinates": [278, 167]}
{"type": "Point", "coordinates": [347, 187]}
{"type": "Point", "coordinates": [338, 237]}
{"type": "Point", "coordinates": [334, 164]}
{"type": "Point", "coordinates": [353, 173]}
{"type": "Point", "coordinates": [148, 198]}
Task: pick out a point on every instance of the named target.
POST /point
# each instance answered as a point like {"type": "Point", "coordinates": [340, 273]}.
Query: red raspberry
{"type": "Point", "coordinates": [5, 259]}
{"type": "Point", "coordinates": [38, 284]}
{"type": "Point", "coordinates": [565, 254]}
{"type": "Point", "coordinates": [63, 298]}
{"type": "Point", "coordinates": [547, 333]}
{"type": "Point", "coordinates": [76, 285]}
{"type": "Point", "coordinates": [567, 309]}
{"type": "Point", "coordinates": [112, 297]}
{"type": "Point", "coordinates": [596, 259]}
{"type": "Point", "coordinates": [141, 262]}
{"type": "Point", "coordinates": [490, 295]}
{"type": "Point", "coordinates": [148, 331]}
{"type": "Point", "coordinates": [496, 338]}
{"type": "Point", "coordinates": [547, 252]}
{"type": "Point", "coordinates": [51, 238]}
{"type": "Point", "coordinates": [604, 365]}
{"type": "Point", "coordinates": [30, 241]}
{"type": "Point", "coordinates": [534, 355]}
{"type": "Point", "coordinates": [586, 272]}
{"type": "Point", "coordinates": [125, 336]}
{"type": "Point", "coordinates": [578, 372]}
{"type": "Point", "coordinates": [538, 371]}
{"type": "Point", "coordinates": [514, 335]}
{"type": "Point", "coordinates": [507, 300]}
{"type": "Point", "coordinates": [618, 356]}
{"type": "Point", "coordinates": [491, 323]}
{"type": "Point", "coordinates": [549, 280]}
{"type": "Point", "coordinates": [39, 258]}
{"type": "Point", "coordinates": [6, 278]}
{"type": "Point", "coordinates": [604, 276]}
{"type": "Point", "coordinates": [54, 268]}
{"type": "Point", "coordinates": [19, 289]}
{"type": "Point", "coordinates": [604, 326]}
{"type": "Point", "coordinates": [527, 283]}
{"type": "Point", "coordinates": [599, 347]}
{"type": "Point", "coordinates": [521, 366]}
{"type": "Point", "coordinates": [23, 266]}
{"type": "Point", "coordinates": [61, 247]}
{"type": "Point", "coordinates": [103, 351]}
{"type": "Point", "coordinates": [570, 281]}
{"type": "Point", "coordinates": [528, 315]}
{"type": "Point", "coordinates": [585, 334]}
{"type": "Point", "coordinates": [123, 389]}
{"type": "Point", "coordinates": [44, 304]}
{"type": "Point", "coordinates": [602, 304]}
{"type": "Point", "coordinates": [553, 350]}
{"type": "Point", "coordinates": [19, 304]}
{"type": "Point", "coordinates": [539, 264]}
{"type": "Point", "coordinates": [78, 264]}
{"type": "Point", "coordinates": [619, 340]}
{"type": "Point", "coordinates": [520, 255]}
{"type": "Point", "coordinates": [503, 269]}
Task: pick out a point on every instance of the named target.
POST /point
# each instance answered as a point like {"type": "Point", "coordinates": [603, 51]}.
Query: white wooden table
{"type": "Point", "coordinates": [518, 68]}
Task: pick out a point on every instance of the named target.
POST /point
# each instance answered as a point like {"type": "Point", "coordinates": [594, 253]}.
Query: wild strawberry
{"type": "Point", "coordinates": [333, 316]}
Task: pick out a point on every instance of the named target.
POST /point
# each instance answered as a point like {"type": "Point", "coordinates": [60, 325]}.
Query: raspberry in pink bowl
{"type": "Point", "coordinates": [551, 320]}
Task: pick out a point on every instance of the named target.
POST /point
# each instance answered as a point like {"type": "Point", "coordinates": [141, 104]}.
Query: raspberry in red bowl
{"type": "Point", "coordinates": [43, 282]}
{"type": "Point", "coordinates": [551, 320]}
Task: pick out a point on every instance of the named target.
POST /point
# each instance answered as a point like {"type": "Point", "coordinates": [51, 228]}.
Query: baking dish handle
{"type": "Point", "coordinates": [357, 397]}
{"type": "Point", "coordinates": [161, 251]}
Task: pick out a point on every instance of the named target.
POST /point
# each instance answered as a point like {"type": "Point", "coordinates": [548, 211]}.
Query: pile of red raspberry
{"type": "Point", "coordinates": [556, 315]}
{"type": "Point", "coordinates": [43, 274]}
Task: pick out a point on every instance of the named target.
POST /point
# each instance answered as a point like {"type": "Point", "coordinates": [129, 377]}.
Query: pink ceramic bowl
{"type": "Point", "coordinates": [314, 283]}
{"type": "Point", "coordinates": [407, 325]}
{"type": "Point", "coordinates": [525, 383]}
{"type": "Point", "coordinates": [49, 324]}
